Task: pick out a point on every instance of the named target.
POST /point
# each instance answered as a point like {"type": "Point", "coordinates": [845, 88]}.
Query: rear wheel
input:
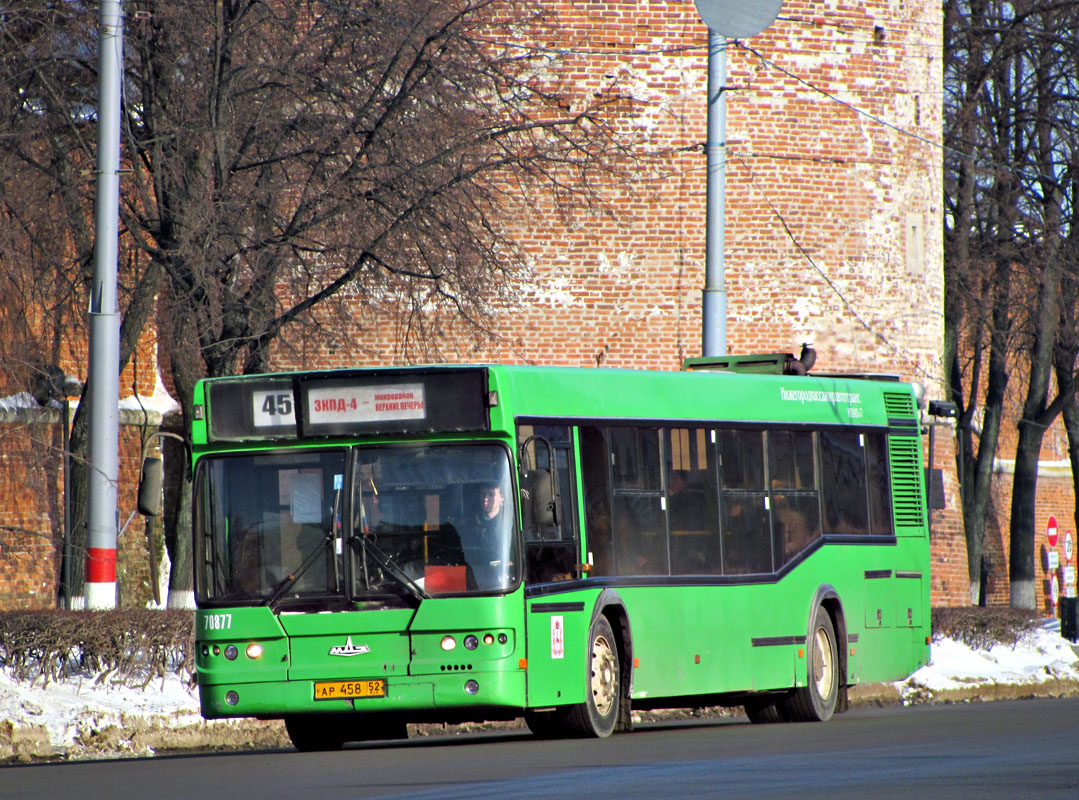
{"type": "Point", "coordinates": [313, 733]}
{"type": "Point", "coordinates": [598, 714]}
{"type": "Point", "coordinates": [816, 701]}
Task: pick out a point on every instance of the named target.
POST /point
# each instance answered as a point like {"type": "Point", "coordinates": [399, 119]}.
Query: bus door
{"type": "Point", "coordinates": [548, 503]}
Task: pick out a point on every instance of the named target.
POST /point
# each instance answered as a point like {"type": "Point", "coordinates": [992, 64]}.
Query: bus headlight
{"type": "Point", "coordinates": [448, 642]}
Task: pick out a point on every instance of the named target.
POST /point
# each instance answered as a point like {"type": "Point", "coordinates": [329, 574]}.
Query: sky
{"type": "Point", "coordinates": [79, 705]}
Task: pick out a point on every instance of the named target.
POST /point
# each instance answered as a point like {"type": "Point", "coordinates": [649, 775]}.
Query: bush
{"type": "Point", "coordinates": [135, 646]}
{"type": "Point", "coordinates": [981, 628]}
{"type": "Point", "coordinates": [131, 646]}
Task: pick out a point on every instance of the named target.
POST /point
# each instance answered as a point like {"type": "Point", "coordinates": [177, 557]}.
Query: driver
{"type": "Point", "coordinates": [491, 503]}
{"type": "Point", "coordinates": [489, 541]}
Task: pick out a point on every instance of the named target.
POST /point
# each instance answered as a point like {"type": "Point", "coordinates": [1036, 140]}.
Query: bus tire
{"type": "Point", "coordinates": [765, 710]}
{"type": "Point", "coordinates": [545, 724]}
{"type": "Point", "coordinates": [816, 701]}
{"type": "Point", "coordinates": [313, 732]}
{"type": "Point", "coordinates": [598, 714]}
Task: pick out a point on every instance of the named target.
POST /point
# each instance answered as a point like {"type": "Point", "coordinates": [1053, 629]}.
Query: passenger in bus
{"type": "Point", "coordinates": [640, 538]}
{"type": "Point", "coordinates": [795, 531]}
{"type": "Point", "coordinates": [598, 529]}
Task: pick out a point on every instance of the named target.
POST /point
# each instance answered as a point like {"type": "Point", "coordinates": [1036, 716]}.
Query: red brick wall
{"type": "Point", "coordinates": [830, 132]}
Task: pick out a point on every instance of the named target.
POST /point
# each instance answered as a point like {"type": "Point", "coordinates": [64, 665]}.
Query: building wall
{"type": "Point", "coordinates": [833, 220]}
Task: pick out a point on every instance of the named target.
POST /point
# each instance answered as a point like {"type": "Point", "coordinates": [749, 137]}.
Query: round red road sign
{"type": "Point", "coordinates": [1051, 531]}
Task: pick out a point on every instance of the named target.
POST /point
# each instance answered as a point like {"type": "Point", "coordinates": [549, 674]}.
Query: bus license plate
{"type": "Point", "coordinates": [344, 690]}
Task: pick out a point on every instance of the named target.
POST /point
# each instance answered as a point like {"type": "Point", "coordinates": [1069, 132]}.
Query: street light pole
{"type": "Point", "coordinates": [104, 368]}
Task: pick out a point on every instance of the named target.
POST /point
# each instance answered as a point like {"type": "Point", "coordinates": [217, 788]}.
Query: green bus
{"type": "Point", "coordinates": [381, 546]}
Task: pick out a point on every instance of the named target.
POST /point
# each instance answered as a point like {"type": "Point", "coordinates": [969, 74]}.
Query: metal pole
{"type": "Point", "coordinates": [714, 301]}
{"type": "Point", "coordinates": [66, 563]}
{"type": "Point", "coordinates": [104, 365]}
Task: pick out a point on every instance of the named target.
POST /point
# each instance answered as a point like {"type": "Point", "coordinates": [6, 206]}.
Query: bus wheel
{"type": "Point", "coordinates": [765, 710]}
{"type": "Point", "coordinates": [314, 732]}
{"type": "Point", "coordinates": [545, 724]}
{"type": "Point", "coordinates": [816, 702]}
{"type": "Point", "coordinates": [597, 715]}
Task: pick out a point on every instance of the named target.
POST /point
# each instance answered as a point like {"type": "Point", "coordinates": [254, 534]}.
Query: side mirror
{"type": "Point", "coordinates": [153, 476]}
{"type": "Point", "coordinates": [543, 500]}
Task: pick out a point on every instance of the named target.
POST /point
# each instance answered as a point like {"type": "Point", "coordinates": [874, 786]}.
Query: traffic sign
{"type": "Point", "coordinates": [1054, 588]}
{"type": "Point", "coordinates": [1069, 545]}
{"type": "Point", "coordinates": [1051, 531]}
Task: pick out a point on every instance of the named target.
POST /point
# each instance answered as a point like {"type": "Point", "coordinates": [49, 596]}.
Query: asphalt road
{"type": "Point", "coordinates": [1009, 750]}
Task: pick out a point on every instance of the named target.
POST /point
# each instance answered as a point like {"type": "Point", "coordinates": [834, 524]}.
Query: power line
{"type": "Point", "coordinates": [831, 284]}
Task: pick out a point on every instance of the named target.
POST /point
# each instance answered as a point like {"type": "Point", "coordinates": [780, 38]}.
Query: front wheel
{"type": "Point", "coordinates": [816, 702]}
{"type": "Point", "coordinates": [765, 710]}
{"type": "Point", "coordinates": [314, 732]}
{"type": "Point", "coordinates": [598, 714]}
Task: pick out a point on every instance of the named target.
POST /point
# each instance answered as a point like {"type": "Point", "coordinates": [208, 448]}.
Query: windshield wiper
{"type": "Point", "coordinates": [289, 580]}
{"type": "Point", "coordinates": [367, 547]}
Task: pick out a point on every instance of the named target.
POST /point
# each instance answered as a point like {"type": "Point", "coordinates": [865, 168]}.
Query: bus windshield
{"type": "Point", "coordinates": [440, 515]}
{"type": "Point", "coordinates": [384, 523]}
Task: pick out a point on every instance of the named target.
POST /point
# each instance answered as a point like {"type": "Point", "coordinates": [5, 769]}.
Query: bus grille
{"type": "Point", "coordinates": [898, 405]}
{"type": "Point", "coordinates": [909, 505]}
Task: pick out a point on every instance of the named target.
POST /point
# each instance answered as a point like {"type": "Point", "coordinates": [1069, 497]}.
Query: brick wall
{"type": "Point", "coordinates": [833, 223]}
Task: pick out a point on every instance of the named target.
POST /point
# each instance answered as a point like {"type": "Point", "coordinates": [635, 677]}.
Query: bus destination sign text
{"type": "Point", "coordinates": [344, 404]}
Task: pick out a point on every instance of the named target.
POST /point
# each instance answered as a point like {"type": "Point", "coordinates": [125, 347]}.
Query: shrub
{"type": "Point", "coordinates": [130, 646]}
{"type": "Point", "coordinates": [981, 628]}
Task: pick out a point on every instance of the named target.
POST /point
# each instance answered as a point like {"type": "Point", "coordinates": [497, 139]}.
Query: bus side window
{"type": "Point", "coordinates": [596, 476]}
{"type": "Point", "coordinates": [880, 496]}
{"type": "Point", "coordinates": [744, 515]}
{"type": "Point", "coordinates": [795, 501]}
{"type": "Point", "coordinates": [843, 482]}
{"type": "Point", "coordinates": [551, 542]}
{"type": "Point", "coordinates": [692, 517]}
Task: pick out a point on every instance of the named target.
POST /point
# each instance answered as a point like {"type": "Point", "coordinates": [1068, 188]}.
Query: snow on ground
{"type": "Point", "coordinates": [1040, 655]}
{"type": "Point", "coordinates": [74, 707]}
{"type": "Point", "coordinates": [71, 709]}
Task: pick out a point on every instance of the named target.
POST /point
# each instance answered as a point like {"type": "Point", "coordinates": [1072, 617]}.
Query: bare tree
{"type": "Point", "coordinates": [48, 84]}
{"type": "Point", "coordinates": [1012, 146]}
{"type": "Point", "coordinates": [290, 155]}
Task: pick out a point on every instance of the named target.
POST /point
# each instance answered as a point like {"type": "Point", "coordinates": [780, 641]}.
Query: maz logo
{"type": "Point", "coordinates": [349, 649]}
